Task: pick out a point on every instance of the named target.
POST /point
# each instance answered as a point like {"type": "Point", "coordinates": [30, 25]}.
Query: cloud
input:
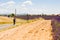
{"type": "Point", "coordinates": [10, 3]}
{"type": "Point", "coordinates": [7, 7]}
{"type": "Point", "coordinates": [26, 3]}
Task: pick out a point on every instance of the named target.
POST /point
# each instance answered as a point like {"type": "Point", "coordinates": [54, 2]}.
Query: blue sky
{"type": "Point", "coordinates": [30, 6]}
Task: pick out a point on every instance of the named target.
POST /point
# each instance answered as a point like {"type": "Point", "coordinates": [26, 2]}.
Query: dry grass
{"type": "Point", "coordinates": [36, 30]}
{"type": "Point", "coordinates": [9, 20]}
{"type": "Point", "coordinates": [6, 20]}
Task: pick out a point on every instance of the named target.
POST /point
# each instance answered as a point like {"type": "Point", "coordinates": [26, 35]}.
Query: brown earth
{"type": "Point", "coordinates": [38, 30]}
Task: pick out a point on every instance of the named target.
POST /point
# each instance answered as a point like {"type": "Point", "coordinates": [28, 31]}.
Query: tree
{"type": "Point", "coordinates": [11, 15]}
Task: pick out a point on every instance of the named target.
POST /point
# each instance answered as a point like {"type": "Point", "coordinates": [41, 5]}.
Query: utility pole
{"type": "Point", "coordinates": [15, 12]}
{"type": "Point", "coordinates": [27, 17]}
{"type": "Point", "coordinates": [14, 20]}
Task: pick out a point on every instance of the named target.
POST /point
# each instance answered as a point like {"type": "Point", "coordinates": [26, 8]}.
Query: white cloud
{"type": "Point", "coordinates": [8, 3]}
{"type": "Point", "coordinates": [7, 7]}
{"type": "Point", "coordinates": [11, 3]}
{"type": "Point", "coordinates": [26, 3]}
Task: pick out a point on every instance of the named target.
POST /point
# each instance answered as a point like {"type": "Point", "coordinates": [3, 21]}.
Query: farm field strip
{"type": "Point", "coordinates": [21, 27]}
{"type": "Point", "coordinates": [38, 30]}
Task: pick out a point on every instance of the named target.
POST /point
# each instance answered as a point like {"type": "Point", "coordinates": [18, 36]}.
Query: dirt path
{"type": "Point", "coordinates": [3, 26]}
{"type": "Point", "coordinates": [39, 30]}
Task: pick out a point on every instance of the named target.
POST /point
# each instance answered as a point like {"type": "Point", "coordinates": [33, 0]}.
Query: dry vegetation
{"type": "Point", "coordinates": [36, 29]}
{"type": "Point", "coordinates": [9, 20]}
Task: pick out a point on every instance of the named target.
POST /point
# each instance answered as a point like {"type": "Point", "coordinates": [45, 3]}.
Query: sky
{"type": "Point", "coordinates": [30, 6]}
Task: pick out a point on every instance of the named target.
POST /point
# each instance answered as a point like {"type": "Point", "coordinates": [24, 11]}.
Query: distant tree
{"type": "Point", "coordinates": [8, 15]}
{"type": "Point", "coordinates": [58, 15]}
{"type": "Point", "coordinates": [11, 15]}
{"type": "Point", "coordinates": [27, 16]}
{"type": "Point", "coordinates": [53, 15]}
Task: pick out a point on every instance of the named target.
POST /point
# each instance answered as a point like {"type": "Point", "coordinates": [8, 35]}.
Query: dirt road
{"type": "Point", "coordinates": [38, 30]}
{"type": "Point", "coordinates": [3, 26]}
